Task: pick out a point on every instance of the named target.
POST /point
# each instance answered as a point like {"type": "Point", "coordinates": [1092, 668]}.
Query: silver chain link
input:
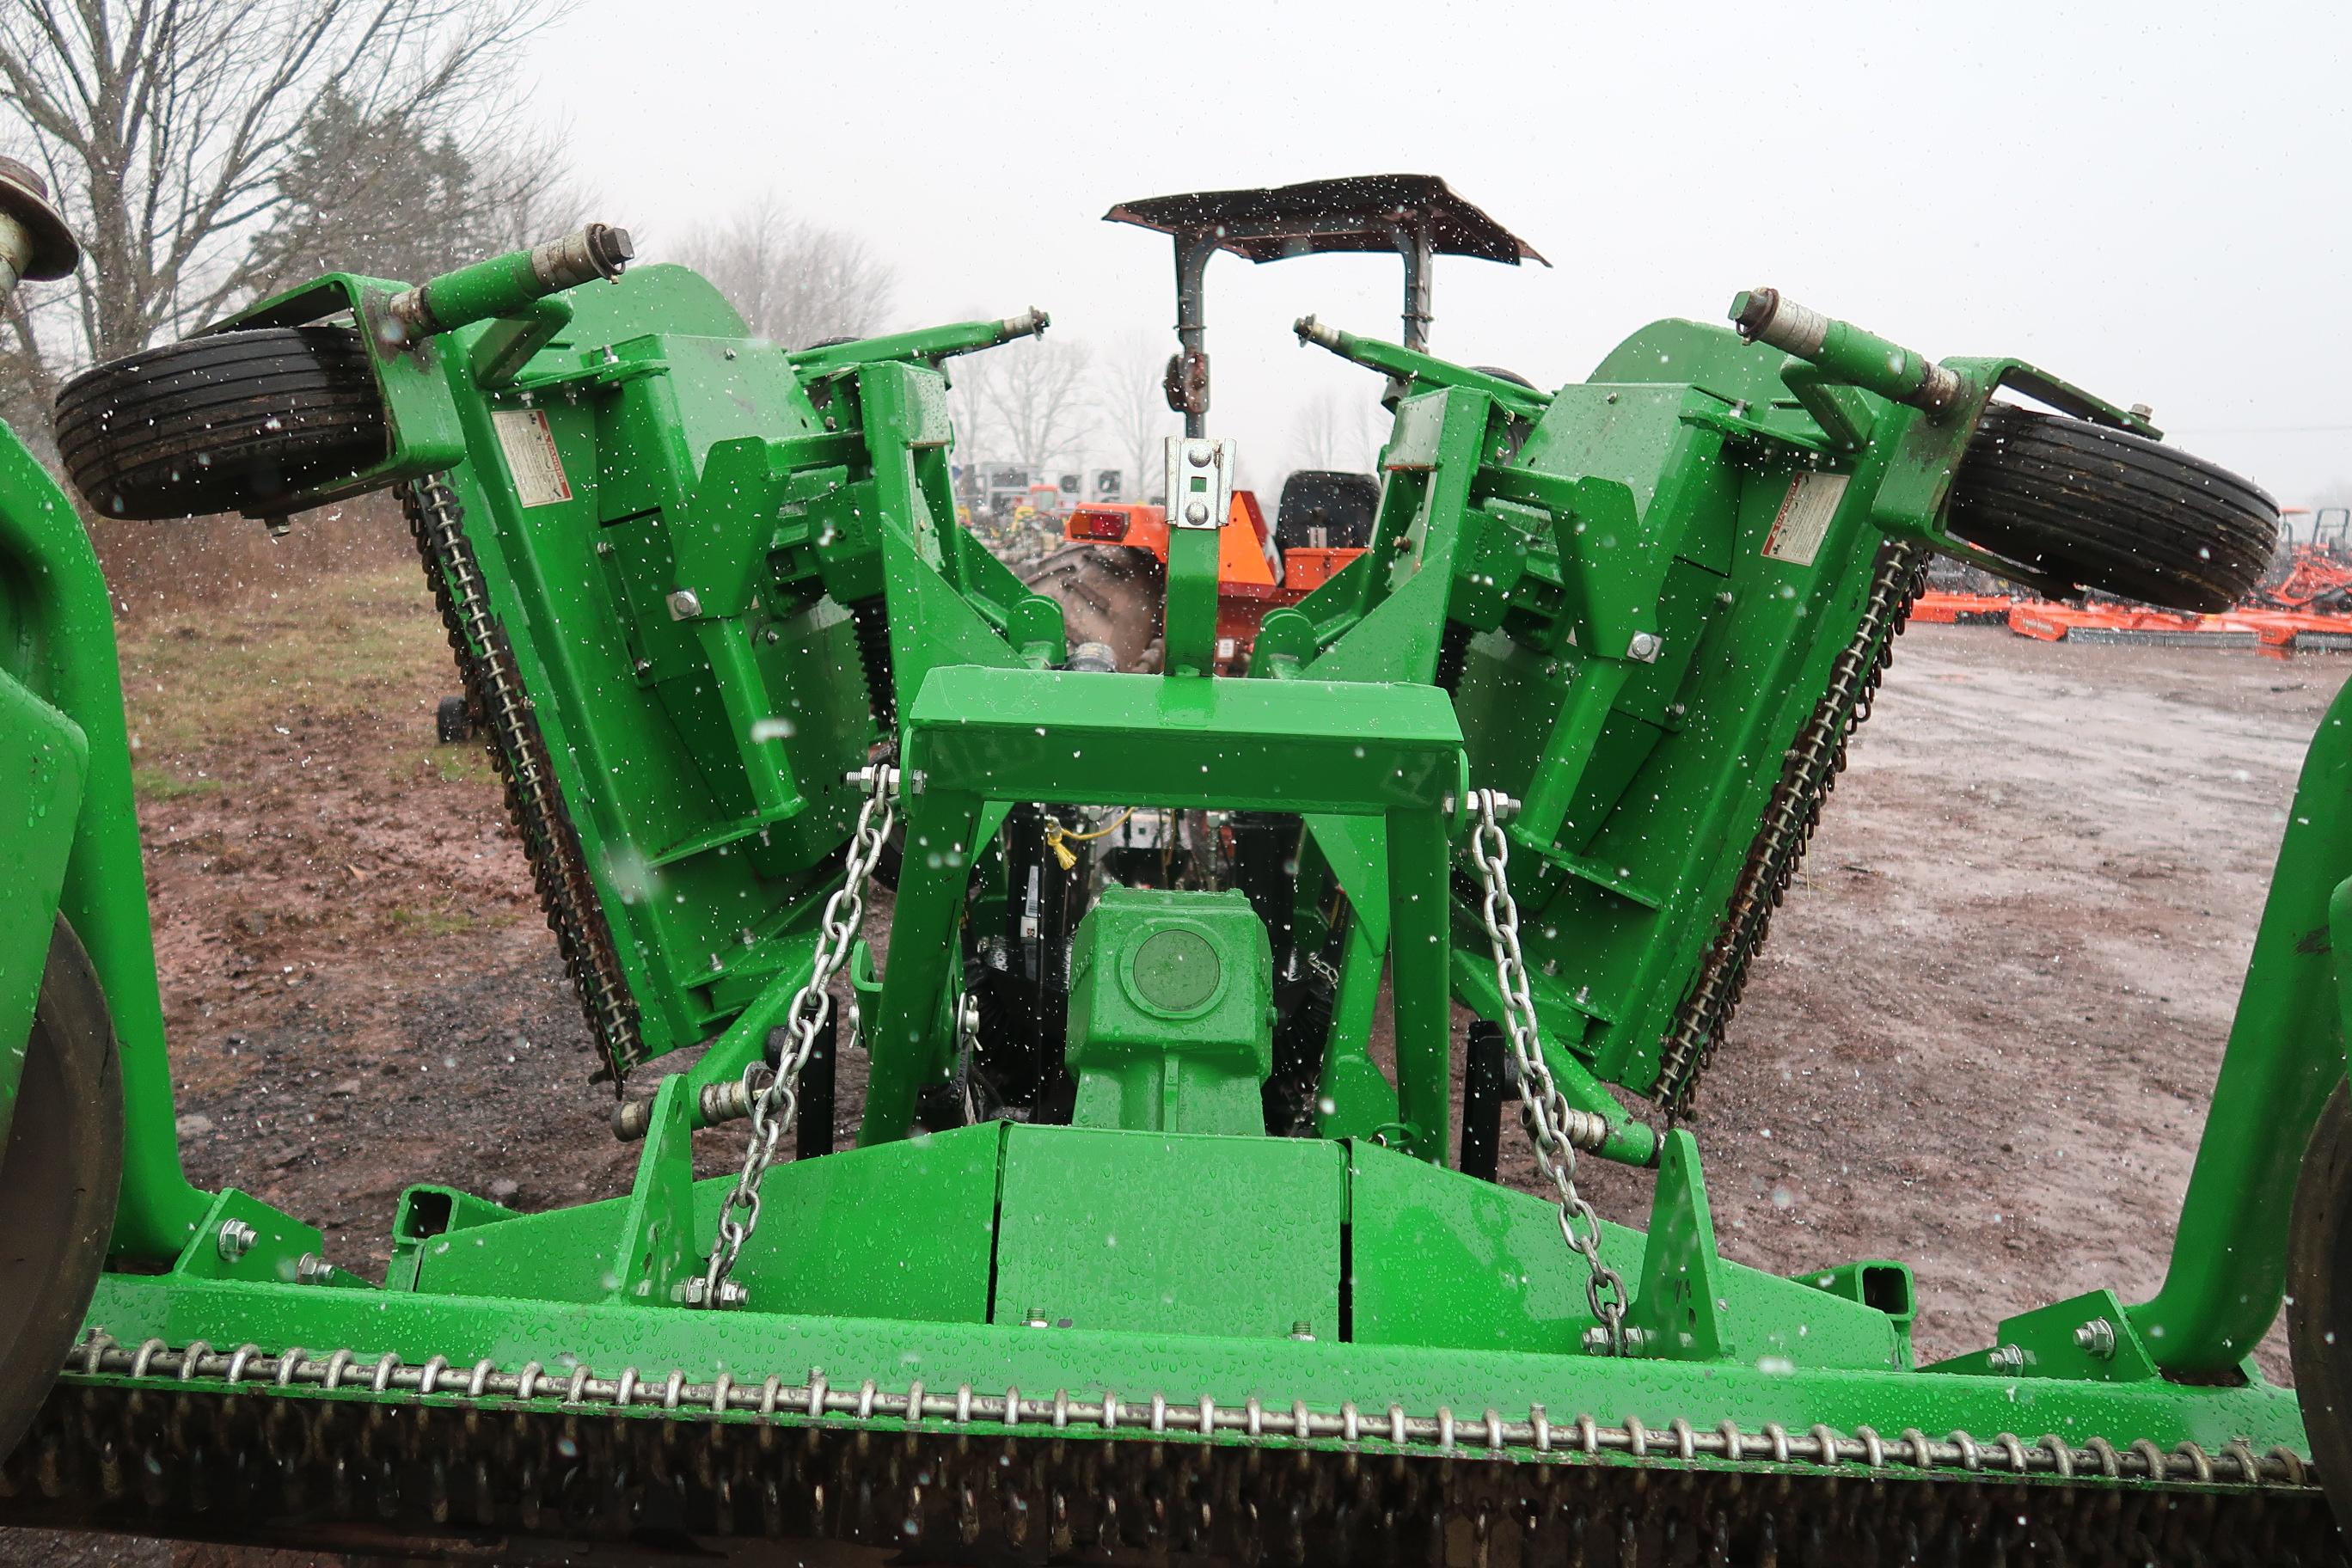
{"type": "Point", "coordinates": [775, 1099]}
{"type": "Point", "coordinates": [1542, 1108]}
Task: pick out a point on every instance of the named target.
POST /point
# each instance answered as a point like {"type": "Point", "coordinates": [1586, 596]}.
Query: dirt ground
{"type": "Point", "coordinates": [1980, 1041]}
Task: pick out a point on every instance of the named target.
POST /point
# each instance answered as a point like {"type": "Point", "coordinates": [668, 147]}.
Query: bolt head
{"type": "Point", "coordinates": [1196, 513]}
{"type": "Point", "coordinates": [2142, 411]}
{"type": "Point", "coordinates": [1200, 454]}
{"type": "Point", "coordinates": [685, 605]}
{"type": "Point", "coordinates": [1644, 648]}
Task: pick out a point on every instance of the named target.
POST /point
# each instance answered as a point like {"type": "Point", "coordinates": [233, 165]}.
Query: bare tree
{"type": "Point", "coordinates": [165, 125]}
{"type": "Point", "coordinates": [398, 199]}
{"type": "Point", "coordinates": [795, 282]}
{"type": "Point", "coordinates": [1333, 432]}
{"type": "Point", "coordinates": [1134, 411]}
{"type": "Point", "coordinates": [1026, 402]}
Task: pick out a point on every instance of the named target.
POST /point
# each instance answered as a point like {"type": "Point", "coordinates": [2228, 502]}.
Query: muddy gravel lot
{"type": "Point", "coordinates": [1980, 1040]}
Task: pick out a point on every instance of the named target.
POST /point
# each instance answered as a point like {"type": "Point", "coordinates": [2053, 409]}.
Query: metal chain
{"type": "Point", "coordinates": [494, 685]}
{"type": "Point", "coordinates": [1816, 756]}
{"type": "Point", "coordinates": [1542, 1108]}
{"type": "Point", "coordinates": [774, 1095]}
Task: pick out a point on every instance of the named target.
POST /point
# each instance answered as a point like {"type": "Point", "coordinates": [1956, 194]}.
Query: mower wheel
{"type": "Point", "coordinates": [1108, 594]}
{"type": "Point", "coordinates": [2112, 512]}
{"type": "Point", "coordinates": [453, 723]}
{"type": "Point", "coordinates": [2319, 1289]}
{"type": "Point", "coordinates": [59, 1169]}
{"type": "Point", "coordinates": [230, 422]}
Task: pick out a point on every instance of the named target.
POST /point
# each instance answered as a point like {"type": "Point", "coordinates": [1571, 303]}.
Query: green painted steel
{"type": "Point", "coordinates": [2286, 1050]}
{"type": "Point", "coordinates": [1171, 1013]}
{"type": "Point", "coordinates": [729, 578]}
{"type": "Point", "coordinates": [58, 666]}
{"type": "Point", "coordinates": [44, 758]}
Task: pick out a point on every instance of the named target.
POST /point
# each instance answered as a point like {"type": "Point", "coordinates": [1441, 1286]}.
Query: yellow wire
{"type": "Point", "coordinates": [1055, 834]}
{"type": "Point", "coordinates": [1097, 832]}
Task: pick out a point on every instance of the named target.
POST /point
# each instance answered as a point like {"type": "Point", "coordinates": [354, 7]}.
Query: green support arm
{"type": "Point", "coordinates": [67, 623]}
{"type": "Point", "coordinates": [2228, 1274]}
{"type": "Point", "coordinates": [925, 347]}
{"type": "Point", "coordinates": [1410, 364]}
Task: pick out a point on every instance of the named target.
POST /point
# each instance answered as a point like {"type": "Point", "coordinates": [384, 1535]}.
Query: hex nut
{"type": "Point", "coordinates": [235, 1240]}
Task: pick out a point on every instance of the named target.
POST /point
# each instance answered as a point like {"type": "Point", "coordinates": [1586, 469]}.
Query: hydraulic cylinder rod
{"type": "Point", "coordinates": [1844, 350]}
{"type": "Point", "coordinates": [506, 284]}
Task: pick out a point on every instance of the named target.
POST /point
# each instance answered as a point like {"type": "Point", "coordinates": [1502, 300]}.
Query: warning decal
{"type": "Point", "coordinates": [1804, 518]}
{"type": "Point", "coordinates": [532, 457]}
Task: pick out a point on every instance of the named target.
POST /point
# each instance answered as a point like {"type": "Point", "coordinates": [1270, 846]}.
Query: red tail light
{"type": "Point", "coordinates": [1087, 524]}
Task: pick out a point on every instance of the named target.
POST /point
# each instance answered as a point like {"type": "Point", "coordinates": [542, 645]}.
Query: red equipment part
{"type": "Point", "coordinates": [1937, 608]}
{"type": "Point", "coordinates": [2318, 579]}
{"type": "Point", "coordinates": [1252, 576]}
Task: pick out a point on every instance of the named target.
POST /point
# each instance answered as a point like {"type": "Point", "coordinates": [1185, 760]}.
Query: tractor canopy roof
{"type": "Point", "coordinates": [1362, 212]}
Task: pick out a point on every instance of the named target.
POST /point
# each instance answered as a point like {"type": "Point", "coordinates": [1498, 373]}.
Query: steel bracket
{"type": "Point", "coordinates": [1678, 1311]}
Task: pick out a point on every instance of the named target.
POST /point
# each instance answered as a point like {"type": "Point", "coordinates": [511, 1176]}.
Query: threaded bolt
{"type": "Point", "coordinates": [2007, 1360]}
{"type": "Point", "coordinates": [731, 1294]}
{"type": "Point", "coordinates": [235, 1240]}
{"type": "Point", "coordinates": [2097, 1339]}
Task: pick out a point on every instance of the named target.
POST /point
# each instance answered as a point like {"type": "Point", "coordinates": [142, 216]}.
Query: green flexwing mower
{"type": "Point", "coordinates": [1143, 1252]}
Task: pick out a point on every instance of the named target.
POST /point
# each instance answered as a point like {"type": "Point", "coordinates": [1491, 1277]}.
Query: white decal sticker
{"type": "Point", "coordinates": [1804, 518]}
{"type": "Point", "coordinates": [532, 457]}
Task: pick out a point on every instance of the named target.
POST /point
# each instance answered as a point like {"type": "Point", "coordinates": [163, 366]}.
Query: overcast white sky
{"type": "Point", "coordinates": [2155, 201]}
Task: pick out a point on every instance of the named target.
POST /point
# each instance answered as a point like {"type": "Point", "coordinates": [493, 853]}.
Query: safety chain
{"type": "Point", "coordinates": [575, 1386]}
{"type": "Point", "coordinates": [774, 1095]}
{"type": "Point", "coordinates": [1543, 1109]}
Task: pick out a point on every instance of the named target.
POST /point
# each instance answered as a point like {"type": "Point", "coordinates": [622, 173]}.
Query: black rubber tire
{"type": "Point", "coordinates": [59, 1171]}
{"type": "Point", "coordinates": [231, 422]}
{"type": "Point", "coordinates": [1342, 505]}
{"type": "Point", "coordinates": [452, 722]}
{"type": "Point", "coordinates": [1109, 594]}
{"type": "Point", "coordinates": [2112, 512]}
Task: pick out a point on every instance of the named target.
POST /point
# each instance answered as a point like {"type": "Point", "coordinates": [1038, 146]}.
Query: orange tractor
{"type": "Point", "coordinates": [1110, 575]}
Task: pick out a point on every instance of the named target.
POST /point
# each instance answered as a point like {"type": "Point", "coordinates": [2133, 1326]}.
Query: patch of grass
{"type": "Point", "coordinates": [431, 923]}
{"type": "Point", "coordinates": [161, 784]}
{"type": "Point", "coordinates": [462, 763]}
{"type": "Point", "coordinates": [331, 642]}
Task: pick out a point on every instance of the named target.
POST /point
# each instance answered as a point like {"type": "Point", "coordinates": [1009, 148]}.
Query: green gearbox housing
{"type": "Point", "coordinates": [1171, 1012]}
